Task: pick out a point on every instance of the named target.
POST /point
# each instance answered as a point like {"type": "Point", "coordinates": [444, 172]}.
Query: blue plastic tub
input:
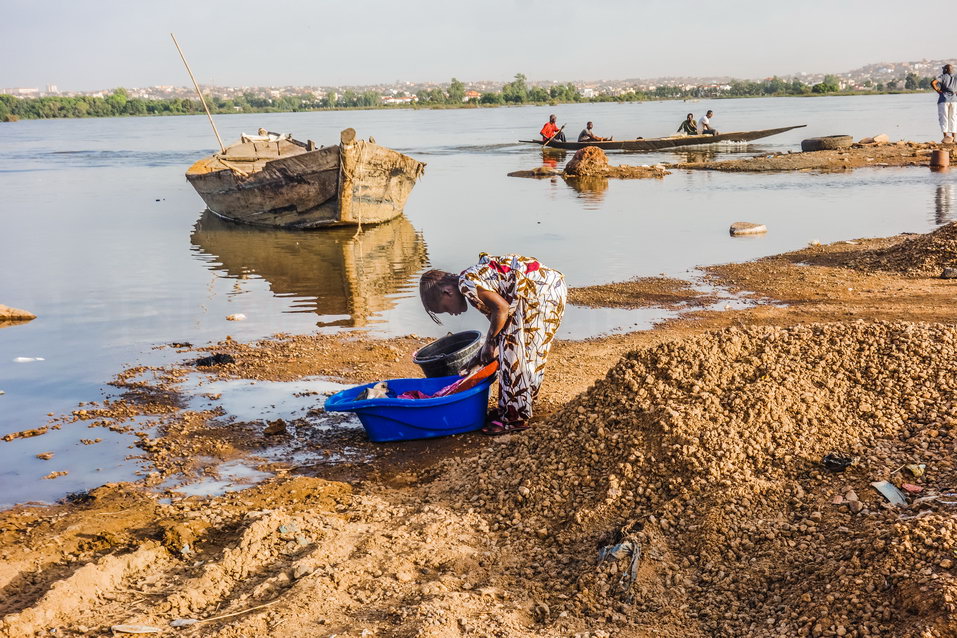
{"type": "Point", "coordinates": [407, 419]}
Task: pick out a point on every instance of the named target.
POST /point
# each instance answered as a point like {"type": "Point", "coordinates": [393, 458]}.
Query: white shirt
{"type": "Point", "coordinates": [704, 123]}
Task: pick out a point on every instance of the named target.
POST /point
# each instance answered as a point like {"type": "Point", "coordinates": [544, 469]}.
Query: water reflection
{"type": "Point", "coordinates": [700, 155]}
{"type": "Point", "coordinates": [336, 271]}
{"type": "Point", "coordinates": [944, 203]}
{"type": "Point", "coordinates": [591, 189]}
{"type": "Point", "coordinates": [552, 156]}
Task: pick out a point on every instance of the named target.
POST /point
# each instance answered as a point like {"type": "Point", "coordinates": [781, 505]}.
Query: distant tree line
{"type": "Point", "coordinates": [119, 103]}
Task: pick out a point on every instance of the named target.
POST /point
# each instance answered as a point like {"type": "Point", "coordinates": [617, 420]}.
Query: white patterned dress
{"type": "Point", "coordinates": [536, 297]}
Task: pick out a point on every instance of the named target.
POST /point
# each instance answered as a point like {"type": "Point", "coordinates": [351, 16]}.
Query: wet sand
{"type": "Point", "coordinates": [429, 539]}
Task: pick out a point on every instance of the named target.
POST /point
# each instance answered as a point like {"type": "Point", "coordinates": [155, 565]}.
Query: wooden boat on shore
{"type": "Point", "coordinates": [664, 143]}
{"type": "Point", "coordinates": [275, 181]}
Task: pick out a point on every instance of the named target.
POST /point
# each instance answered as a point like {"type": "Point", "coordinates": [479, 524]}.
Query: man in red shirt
{"type": "Point", "coordinates": [551, 130]}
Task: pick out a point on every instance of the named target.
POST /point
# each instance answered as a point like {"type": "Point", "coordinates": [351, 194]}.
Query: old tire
{"type": "Point", "coordinates": [828, 143]}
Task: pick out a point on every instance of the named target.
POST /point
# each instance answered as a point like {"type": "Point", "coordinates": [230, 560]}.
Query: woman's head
{"type": "Point", "coordinates": [439, 291]}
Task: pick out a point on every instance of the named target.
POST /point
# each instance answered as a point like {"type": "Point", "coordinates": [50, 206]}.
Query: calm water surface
{"type": "Point", "coordinates": [102, 237]}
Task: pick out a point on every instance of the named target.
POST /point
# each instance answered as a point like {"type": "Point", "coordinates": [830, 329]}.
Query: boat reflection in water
{"type": "Point", "coordinates": [336, 273]}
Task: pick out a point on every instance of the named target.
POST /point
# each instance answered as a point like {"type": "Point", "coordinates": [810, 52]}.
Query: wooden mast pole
{"type": "Point", "coordinates": [200, 93]}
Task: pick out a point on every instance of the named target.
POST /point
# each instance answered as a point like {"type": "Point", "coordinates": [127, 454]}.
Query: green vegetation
{"type": "Point", "coordinates": [119, 103]}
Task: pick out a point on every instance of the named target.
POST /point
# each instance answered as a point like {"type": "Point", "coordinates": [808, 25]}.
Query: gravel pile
{"type": "Point", "coordinates": [921, 255]}
{"type": "Point", "coordinates": [590, 160]}
{"type": "Point", "coordinates": [698, 465]}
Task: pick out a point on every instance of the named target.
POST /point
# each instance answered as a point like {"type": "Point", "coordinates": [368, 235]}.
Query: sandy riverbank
{"type": "Point", "coordinates": [856, 156]}
{"type": "Point", "coordinates": [692, 450]}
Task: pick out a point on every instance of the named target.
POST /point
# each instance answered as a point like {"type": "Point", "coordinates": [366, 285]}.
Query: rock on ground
{"type": "Point", "coordinates": [15, 314]}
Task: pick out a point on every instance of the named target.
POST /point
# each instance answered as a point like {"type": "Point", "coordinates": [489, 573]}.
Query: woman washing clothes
{"type": "Point", "coordinates": [524, 302]}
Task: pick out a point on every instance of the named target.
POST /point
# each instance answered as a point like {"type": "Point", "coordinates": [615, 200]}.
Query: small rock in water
{"type": "Point", "coordinates": [217, 359]}
{"type": "Point", "coordinates": [275, 427]}
{"type": "Point", "coordinates": [236, 317]}
{"type": "Point", "coordinates": [15, 314]}
{"type": "Point", "coordinates": [45, 456]}
{"type": "Point", "coordinates": [53, 475]}
{"type": "Point", "coordinates": [747, 228]}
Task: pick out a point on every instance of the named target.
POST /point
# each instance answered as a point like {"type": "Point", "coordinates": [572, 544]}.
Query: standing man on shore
{"type": "Point", "coordinates": [946, 84]}
{"type": "Point", "coordinates": [551, 130]}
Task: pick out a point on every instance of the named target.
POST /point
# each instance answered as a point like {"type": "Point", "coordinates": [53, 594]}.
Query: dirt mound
{"type": "Point", "coordinates": [590, 160]}
{"type": "Point", "coordinates": [925, 254]}
{"type": "Point", "coordinates": [696, 466]}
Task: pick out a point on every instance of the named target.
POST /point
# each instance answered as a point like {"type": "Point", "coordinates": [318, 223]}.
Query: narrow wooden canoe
{"type": "Point", "coordinates": [661, 143]}
{"type": "Point", "coordinates": [283, 183]}
{"type": "Point", "coordinates": [345, 277]}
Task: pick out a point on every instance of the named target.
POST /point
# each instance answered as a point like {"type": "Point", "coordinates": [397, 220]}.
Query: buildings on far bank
{"type": "Point", "coordinates": [870, 77]}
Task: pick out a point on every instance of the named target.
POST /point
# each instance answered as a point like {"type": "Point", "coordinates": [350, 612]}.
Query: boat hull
{"type": "Point", "coordinates": [280, 185]}
{"type": "Point", "coordinates": [662, 143]}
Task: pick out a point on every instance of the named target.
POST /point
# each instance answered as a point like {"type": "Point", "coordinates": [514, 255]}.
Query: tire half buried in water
{"type": "Point", "coordinates": [829, 143]}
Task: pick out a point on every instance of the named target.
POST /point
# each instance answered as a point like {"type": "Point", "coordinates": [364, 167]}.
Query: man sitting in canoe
{"type": "Point", "coordinates": [689, 126]}
{"type": "Point", "coordinates": [704, 124]}
{"type": "Point", "coordinates": [551, 131]}
{"type": "Point", "coordinates": [587, 136]}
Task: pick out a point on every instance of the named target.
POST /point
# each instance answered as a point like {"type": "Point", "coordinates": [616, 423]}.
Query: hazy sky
{"type": "Point", "coordinates": [97, 44]}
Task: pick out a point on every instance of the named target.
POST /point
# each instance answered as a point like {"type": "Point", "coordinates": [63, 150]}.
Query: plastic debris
{"type": "Point", "coordinates": [623, 550]}
{"type": "Point", "coordinates": [911, 488]}
{"type": "Point", "coordinates": [27, 359]}
{"type": "Point", "coordinates": [835, 463]}
{"type": "Point", "coordinates": [183, 622]}
{"type": "Point", "coordinates": [890, 492]}
{"type": "Point", "coordinates": [135, 629]}
{"type": "Point", "coordinates": [236, 317]}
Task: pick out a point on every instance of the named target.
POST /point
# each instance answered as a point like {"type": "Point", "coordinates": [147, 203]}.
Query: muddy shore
{"type": "Point", "coordinates": [901, 153]}
{"type": "Point", "coordinates": [471, 536]}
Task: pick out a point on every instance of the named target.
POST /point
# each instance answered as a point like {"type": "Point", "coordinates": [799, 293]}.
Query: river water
{"type": "Point", "coordinates": [102, 237]}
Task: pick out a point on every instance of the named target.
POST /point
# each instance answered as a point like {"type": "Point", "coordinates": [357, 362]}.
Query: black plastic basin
{"type": "Point", "coordinates": [446, 356]}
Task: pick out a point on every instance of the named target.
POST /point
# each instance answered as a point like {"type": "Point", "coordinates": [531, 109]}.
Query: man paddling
{"type": "Point", "coordinates": [588, 136]}
{"type": "Point", "coordinates": [551, 132]}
